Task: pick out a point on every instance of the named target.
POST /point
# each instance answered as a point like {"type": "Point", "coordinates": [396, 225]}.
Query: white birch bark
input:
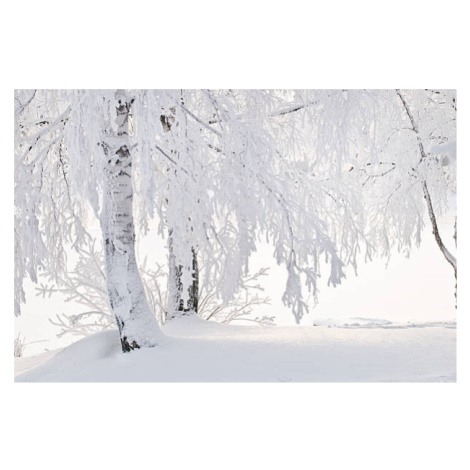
{"type": "Point", "coordinates": [176, 306]}
{"type": "Point", "coordinates": [137, 325]}
{"type": "Point", "coordinates": [175, 287]}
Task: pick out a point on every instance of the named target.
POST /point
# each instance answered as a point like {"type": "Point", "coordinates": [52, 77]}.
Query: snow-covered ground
{"type": "Point", "coordinates": [364, 350]}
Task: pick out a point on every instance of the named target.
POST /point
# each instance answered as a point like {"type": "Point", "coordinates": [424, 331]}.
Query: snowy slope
{"type": "Point", "coordinates": [24, 364]}
{"type": "Point", "coordinates": [198, 351]}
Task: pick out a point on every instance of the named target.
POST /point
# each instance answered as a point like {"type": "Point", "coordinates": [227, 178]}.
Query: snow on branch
{"type": "Point", "coordinates": [321, 175]}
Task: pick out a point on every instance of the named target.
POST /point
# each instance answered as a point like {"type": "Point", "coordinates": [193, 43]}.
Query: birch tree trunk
{"type": "Point", "coordinates": [193, 303]}
{"type": "Point", "coordinates": [137, 325]}
{"type": "Point", "coordinates": [175, 303]}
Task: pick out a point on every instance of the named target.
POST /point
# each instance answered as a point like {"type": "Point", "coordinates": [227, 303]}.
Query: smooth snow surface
{"type": "Point", "coordinates": [194, 350]}
{"type": "Point", "coordinates": [24, 364]}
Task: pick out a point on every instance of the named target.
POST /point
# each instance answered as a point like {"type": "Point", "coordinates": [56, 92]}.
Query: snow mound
{"type": "Point", "coordinates": [194, 350]}
{"type": "Point", "coordinates": [352, 322]}
{"type": "Point", "coordinates": [360, 322]}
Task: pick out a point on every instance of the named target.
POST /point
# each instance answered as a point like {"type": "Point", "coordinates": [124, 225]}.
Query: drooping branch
{"type": "Point", "coordinates": [432, 216]}
{"type": "Point", "coordinates": [435, 230]}
{"type": "Point", "coordinates": [37, 137]}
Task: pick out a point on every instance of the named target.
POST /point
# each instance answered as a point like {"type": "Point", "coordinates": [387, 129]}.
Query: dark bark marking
{"type": "Point", "coordinates": [126, 347]}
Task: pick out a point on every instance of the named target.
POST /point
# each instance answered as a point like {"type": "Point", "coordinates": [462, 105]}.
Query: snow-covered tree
{"type": "Point", "coordinates": [441, 148]}
{"type": "Point", "coordinates": [408, 173]}
{"type": "Point", "coordinates": [47, 218]}
{"type": "Point", "coordinates": [319, 174]}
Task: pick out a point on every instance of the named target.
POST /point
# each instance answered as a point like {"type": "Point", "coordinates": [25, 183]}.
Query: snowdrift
{"type": "Point", "coordinates": [198, 351]}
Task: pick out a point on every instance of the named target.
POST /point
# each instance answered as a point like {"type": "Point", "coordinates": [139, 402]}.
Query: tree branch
{"type": "Point", "coordinates": [432, 216]}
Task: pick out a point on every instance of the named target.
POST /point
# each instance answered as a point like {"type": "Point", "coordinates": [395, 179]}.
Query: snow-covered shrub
{"type": "Point", "coordinates": [19, 346]}
{"type": "Point", "coordinates": [86, 286]}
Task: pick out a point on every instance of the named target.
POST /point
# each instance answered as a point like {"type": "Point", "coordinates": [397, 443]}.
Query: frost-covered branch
{"type": "Point", "coordinates": [85, 285]}
{"type": "Point", "coordinates": [20, 107]}
{"type": "Point", "coordinates": [432, 216]}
